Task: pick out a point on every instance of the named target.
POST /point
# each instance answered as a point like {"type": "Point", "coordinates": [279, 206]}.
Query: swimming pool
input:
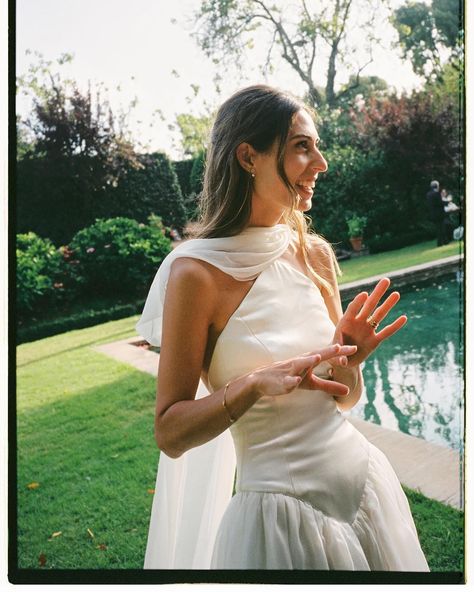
{"type": "Point", "coordinates": [414, 381]}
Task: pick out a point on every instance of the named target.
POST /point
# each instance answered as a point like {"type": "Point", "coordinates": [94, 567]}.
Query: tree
{"type": "Point", "coordinates": [424, 31]}
{"type": "Point", "coordinates": [302, 32]}
{"type": "Point", "coordinates": [72, 151]}
{"type": "Point", "coordinates": [194, 132]}
{"type": "Point", "coordinates": [66, 122]}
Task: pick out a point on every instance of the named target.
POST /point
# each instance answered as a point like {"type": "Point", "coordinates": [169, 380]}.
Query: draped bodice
{"type": "Point", "coordinates": [298, 444]}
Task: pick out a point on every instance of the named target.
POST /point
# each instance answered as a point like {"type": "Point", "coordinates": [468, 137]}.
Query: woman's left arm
{"type": "Point", "coordinates": [322, 260]}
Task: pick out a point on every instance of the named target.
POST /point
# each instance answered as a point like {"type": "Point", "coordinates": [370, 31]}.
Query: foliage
{"type": "Point", "coordinates": [424, 30]}
{"type": "Point", "coordinates": [81, 314]}
{"type": "Point", "coordinates": [117, 256]}
{"type": "Point", "coordinates": [65, 189]}
{"type": "Point", "coordinates": [302, 32]}
{"type": "Point", "coordinates": [392, 147]}
{"type": "Point", "coordinates": [194, 132]}
{"type": "Point", "coordinates": [197, 173]}
{"type": "Point", "coordinates": [183, 170]}
{"type": "Point", "coordinates": [39, 273]}
{"type": "Point", "coordinates": [66, 121]}
{"type": "Point", "coordinates": [353, 183]}
{"type": "Point", "coordinates": [356, 225]}
{"type": "Point", "coordinates": [72, 151]}
{"type": "Point", "coordinates": [418, 137]}
{"type": "Point", "coordinates": [390, 240]}
{"type": "Point", "coordinates": [152, 188]}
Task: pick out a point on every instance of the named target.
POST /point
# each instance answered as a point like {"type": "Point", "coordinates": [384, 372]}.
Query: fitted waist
{"type": "Point", "coordinates": [288, 447]}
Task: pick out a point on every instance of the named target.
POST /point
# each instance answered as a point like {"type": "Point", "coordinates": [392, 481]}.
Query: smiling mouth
{"type": "Point", "coordinates": [306, 189]}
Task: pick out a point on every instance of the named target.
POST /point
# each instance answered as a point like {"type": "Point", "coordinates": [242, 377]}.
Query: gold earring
{"type": "Point", "coordinates": [252, 172]}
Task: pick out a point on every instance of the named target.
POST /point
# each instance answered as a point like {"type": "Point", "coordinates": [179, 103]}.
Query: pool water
{"type": "Point", "coordinates": [414, 380]}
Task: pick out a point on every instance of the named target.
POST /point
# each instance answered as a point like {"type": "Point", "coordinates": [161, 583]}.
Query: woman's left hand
{"type": "Point", "coordinates": [359, 323]}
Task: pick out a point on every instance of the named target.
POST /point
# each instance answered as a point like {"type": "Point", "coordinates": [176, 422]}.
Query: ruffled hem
{"type": "Point", "coordinates": [272, 530]}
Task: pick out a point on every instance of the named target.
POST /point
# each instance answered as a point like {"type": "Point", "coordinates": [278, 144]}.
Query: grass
{"type": "Point", "coordinates": [85, 436]}
{"type": "Point", "coordinates": [440, 530]}
{"type": "Point", "coordinates": [363, 267]}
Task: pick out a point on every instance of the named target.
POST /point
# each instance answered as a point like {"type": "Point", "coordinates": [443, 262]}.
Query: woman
{"type": "Point", "coordinates": [252, 307]}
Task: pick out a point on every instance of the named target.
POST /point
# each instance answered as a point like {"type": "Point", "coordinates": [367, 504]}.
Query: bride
{"type": "Point", "coordinates": [251, 306]}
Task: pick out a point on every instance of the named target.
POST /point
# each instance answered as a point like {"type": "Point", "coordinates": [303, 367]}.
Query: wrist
{"type": "Point", "coordinates": [239, 395]}
{"type": "Point", "coordinates": [253, 386]}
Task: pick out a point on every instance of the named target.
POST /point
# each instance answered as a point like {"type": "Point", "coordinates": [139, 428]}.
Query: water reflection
{"type": "Point", "coordinates": [414, 381]}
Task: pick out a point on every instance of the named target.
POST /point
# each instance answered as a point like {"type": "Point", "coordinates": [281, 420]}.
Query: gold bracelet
{"type": "Point", "coordinates": [232, 419]}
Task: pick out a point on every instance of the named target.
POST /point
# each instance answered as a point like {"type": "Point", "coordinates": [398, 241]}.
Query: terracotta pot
{"type": "Point", "coordinates": [356, 242]}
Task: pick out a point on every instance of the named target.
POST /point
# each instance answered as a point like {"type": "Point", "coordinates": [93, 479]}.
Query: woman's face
{"type": "Point", "coordinates": [302, 163]}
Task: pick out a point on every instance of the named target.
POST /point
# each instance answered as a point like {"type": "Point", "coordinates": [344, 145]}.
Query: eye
{"type": "Point", "coordinates": [303, 144]}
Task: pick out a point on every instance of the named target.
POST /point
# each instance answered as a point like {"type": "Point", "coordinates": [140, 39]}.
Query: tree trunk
{"type": "Point", "coordinates": [330, 94]}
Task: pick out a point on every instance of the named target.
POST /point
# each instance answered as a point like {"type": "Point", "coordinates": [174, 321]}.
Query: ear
{"type": "Point", "coordinates": [245, 154]}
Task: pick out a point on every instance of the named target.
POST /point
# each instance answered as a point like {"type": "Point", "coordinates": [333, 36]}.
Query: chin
{"type": "Point", "coordinates": [305, 205]}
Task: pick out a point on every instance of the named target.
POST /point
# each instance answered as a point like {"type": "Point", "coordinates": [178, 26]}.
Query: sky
{"type": "Point", "coordinates": [137, 45]}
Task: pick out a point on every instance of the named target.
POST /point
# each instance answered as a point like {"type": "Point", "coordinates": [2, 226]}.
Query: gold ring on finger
{"type": "Point", "coordinates": [373, 323]}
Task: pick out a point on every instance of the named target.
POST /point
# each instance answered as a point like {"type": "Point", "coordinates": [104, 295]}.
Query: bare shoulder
{"type": "Point", "coordinates": [189, 272]}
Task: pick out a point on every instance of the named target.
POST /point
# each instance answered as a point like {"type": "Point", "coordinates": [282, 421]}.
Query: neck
{"type": "Point", "coordinates": [263, 215]}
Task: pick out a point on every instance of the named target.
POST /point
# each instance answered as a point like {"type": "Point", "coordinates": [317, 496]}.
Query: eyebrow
{"type": "Point", "coordinates": [304, 136]}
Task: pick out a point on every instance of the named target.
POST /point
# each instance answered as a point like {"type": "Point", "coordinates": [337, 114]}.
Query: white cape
{"type": "Point", "coordinates": [192, 492]}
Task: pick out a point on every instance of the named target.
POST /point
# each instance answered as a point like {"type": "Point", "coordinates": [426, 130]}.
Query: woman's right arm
{"type": "Point", "coordinates": [181, 422]}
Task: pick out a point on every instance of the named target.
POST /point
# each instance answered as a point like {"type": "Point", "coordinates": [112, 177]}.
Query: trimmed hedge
{"type": "Point", "coordinates": [183, 170]}
{"type": "Point", "coordinates": [33, 330]}
{"type": "Point", "coordinates": [152, 189]}
{"type": "Point", "coordinates": [390, 242]}
{"type": "Point", "coordinates": [66, 190]}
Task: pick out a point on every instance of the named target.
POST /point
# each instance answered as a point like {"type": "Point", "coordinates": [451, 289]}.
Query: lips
{"type": "Point", "coordinates": [305, 189]}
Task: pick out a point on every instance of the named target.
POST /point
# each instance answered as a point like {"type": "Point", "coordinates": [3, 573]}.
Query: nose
{"type": "Point", "coordinates": [320, 164]}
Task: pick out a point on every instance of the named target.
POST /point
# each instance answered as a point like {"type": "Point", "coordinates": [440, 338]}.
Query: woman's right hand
{"type": "Point", "coordinates": [280, 378]}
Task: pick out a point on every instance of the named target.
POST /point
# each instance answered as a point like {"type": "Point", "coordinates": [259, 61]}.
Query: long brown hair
{"type": "Point", "coordinates": [259, 115]}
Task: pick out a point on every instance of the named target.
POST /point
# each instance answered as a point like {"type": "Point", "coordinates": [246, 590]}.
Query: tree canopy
{"type": "Point", "coordinates": [424, 31]}
{"type": "Point", "coordinates": [308, 34]}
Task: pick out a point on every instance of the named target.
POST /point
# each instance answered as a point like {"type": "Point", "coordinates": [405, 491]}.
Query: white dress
{"type": "Point", "coordinates": [311, 491]}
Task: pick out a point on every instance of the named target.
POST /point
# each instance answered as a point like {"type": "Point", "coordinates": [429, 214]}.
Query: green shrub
{"type": "Point", "coordinates": [390, 241]}
{"type": "Point", "coordinates": [153, 188]}
{"type": "Point", "coordinates": [197, 173]}
{"type": "Point", "coordinates": [118, 255]}
{"type": "Point", "coordinates": [39, 272]}
{"type": "Point", "coordinates": [88, 317]}
{"type": "Point", "coordinates": [183, 170]}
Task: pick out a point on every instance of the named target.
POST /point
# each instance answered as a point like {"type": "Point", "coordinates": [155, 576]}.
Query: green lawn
{"type": "Point", "coordinates": [85, 436]}
{"type": "Point", "coordinates": [366, 266]}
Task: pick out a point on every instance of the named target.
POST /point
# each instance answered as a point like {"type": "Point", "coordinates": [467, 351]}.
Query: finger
{"type": "Point", "coordinates": [301, 365]}
{"type": "Point", "coordinates": [374, 297]}
{"type": "Point", "coordinates": [338, 361]}
{"type": "Point", "coordinates": [355, 305]}
{"type": "Point", "coordinates": [389, 330]}
{"type": "Point", "coordinates": [337, 389]}
{"type": "Point", "coordinates": [382, 311]}
{"type": "Point", "coordinates": [291, 382]}
{"type": "Point", "coordinates": [337, 350]}
{"type": "Point", "coordinates": [307, 371]}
